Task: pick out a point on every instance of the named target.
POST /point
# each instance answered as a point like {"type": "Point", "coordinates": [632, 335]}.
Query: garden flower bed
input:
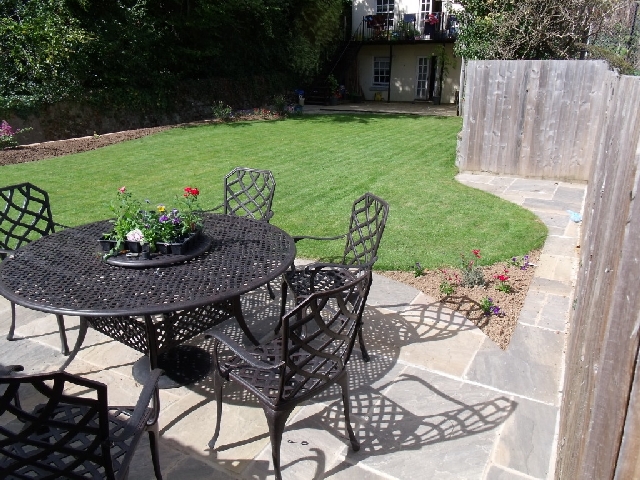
{"type": "Point", "coordinates": [467, 300]}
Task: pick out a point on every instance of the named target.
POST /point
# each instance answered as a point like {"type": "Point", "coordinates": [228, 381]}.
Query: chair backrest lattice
{"type": "Point", "coordinates": [249, 193]}
{"type": "Point", "coordinates": [368, 219]}
{"type": "Point", "coordinates": [58, 435]}
{"type": "Point", "coordinates": [25, 215]}
{"type": "Point", "coordinates": [318, 337]}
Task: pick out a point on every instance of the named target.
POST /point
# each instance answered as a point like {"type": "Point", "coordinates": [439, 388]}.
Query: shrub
{"type": "Point", "coordinates": [8, 135]}
{"type": "Point", "coordinates": [471, 273]}
{"type": "Point", "coordinates": [221, 110]}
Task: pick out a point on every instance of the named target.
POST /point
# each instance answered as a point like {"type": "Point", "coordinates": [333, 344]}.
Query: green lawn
{"type": "Point", "coordinates": [321, 165]}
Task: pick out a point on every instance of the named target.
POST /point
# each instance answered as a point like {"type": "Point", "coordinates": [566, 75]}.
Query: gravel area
{"type": "Point", "coordinates": [466, 300]}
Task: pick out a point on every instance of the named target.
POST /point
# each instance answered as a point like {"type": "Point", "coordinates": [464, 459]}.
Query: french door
{"type": "Point", "coordinates": [422, 78]}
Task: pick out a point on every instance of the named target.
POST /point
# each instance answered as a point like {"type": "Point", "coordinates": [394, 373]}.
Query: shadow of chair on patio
{"type": "Point", "coordinates": [384, 426]}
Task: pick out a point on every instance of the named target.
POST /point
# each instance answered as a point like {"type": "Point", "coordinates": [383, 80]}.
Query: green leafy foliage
{"type": "Point", "coordinates": [528, 29]}
{"type": "Point", "coordinates": [42, 52]}
{"type": "Point", "coordinates": [135, 54]}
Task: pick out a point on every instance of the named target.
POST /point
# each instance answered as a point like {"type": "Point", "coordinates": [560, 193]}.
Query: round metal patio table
{"type": "Point", "coordinates": [149, 309]}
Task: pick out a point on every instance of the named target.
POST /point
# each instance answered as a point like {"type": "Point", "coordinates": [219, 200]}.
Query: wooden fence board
{"type": "Point", "coordinates": [603, 338]}
{"type": "Point", "coordinates": [527, 117]}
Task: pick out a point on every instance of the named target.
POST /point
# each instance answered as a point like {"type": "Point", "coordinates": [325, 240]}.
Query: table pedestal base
{"type": "Point", "coordinates": [182, 365]}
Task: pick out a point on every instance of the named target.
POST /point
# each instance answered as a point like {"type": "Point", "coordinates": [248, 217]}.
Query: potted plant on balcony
{"type": "Point", "coordinates": [430, 25]}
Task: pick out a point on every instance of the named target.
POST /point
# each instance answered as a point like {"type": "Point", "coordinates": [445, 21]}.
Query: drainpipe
{"type": "Point", "coordinates": [390, 63]}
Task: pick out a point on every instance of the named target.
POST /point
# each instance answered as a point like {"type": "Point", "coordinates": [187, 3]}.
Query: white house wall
{"type": "Point", "coordinates": [404, 58]}
{"type": "Point", "coordinates": [404, 62]}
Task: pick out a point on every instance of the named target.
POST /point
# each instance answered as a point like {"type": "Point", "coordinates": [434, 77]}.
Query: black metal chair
{"type": "Point", "coordinates": [68, 436]}
{"type": "Point", "coordinates": [248, 192]}
{"type": "Point", "coordinates": [25, 215]}
{"type": "Point", "coordinates": [368, 219]}
{"type": "Point", "coordinates": [309, 356]}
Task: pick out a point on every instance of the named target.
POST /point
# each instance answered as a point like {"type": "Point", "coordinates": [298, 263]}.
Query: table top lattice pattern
{"type": "Point", "coordinates": [64, 272]}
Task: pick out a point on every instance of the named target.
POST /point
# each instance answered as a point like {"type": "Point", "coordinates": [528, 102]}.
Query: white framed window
{"type": "Point", "coordinates": [385, 7]}
{"type": "Point", "coordinates": [381, 72]}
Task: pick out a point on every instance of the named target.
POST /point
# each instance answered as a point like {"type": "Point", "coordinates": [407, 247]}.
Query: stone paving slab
{"type": "Point", "coordinates": [526, 439]}
{"type": "Point", "coordinates": [530, 367]}
{"type": "Point", "coordinates": [404, 108]}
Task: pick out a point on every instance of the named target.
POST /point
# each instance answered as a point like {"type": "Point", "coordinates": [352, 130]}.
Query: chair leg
{"type": "Point", "coordinates": [344, 386]}
{"type": "Point", "coordinates": [363, 349]}
{"type": "Point", "coordinates": [283, 305]}
{"type": "Point", "coordinates": [82, 333]}
{"type": "Point", "coordinates": [276, 421]}
{"type": "Point", "coordinates": [271, 294]}
{"type": "Point", "coordinates": [64, 347]}
{"type": "Point", "coordinates": [12, 328]}
{"type": "Point", "coordinates": [218, 382]}
{"type": "Point", "coordinates": [155, 456]}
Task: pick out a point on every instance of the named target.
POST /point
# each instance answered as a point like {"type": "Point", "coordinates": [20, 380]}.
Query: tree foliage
{"type": "Point", "coordinates": [529, 29]}
{"type": "Point", "coordinates": [41, 52]}
{"type": "Point", "coordinates": [135, 52]}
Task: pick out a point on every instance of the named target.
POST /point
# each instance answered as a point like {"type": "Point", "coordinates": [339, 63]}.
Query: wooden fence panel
{"type": "Point", "coordinates": [532, 118]}
{"type": "Point", "coordinates": [598, 425]}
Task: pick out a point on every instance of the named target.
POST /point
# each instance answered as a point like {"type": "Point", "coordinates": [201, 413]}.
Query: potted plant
{"type": "Point", "coordinates": [430, 23]}
{"type": "Point", "coordinates": [139, 229]}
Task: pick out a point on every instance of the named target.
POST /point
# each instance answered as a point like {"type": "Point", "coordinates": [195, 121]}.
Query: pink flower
{"type": "Point", "coordinates": [122, 189]}
{"type": "Point", "coordinates": [476, 253]}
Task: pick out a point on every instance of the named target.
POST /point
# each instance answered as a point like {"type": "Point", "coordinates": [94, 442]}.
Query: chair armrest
{"type": "Point", "coordinates": [313, 269]}
{"type": "Point", "coordinates": [245, 355]}
{"type": "Point", "coordinates": [268, 216]}
{"type": "Point", "coordinates": [307, 237]}
{"type": "Point", "coordinates": [150, 390]}
{"type": "Point", "coordinates": [317, 266]}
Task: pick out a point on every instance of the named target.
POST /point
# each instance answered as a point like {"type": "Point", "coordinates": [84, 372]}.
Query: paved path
{"type": "Point", "coordinates": [438, 400]}
{"type": "Point", "coordinates": [404, 108]}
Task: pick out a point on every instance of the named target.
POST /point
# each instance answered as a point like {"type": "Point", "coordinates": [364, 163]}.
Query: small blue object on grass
{"type": "Point", "coordinates": [575, 217]}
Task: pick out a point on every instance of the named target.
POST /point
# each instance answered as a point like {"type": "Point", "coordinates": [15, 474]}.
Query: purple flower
{"type": "Point", "coordinates": [177, 221]}
{"type": "Point", "coordinates": [163, 219]}
{"type": "Point", "coordinates": [495, 310]}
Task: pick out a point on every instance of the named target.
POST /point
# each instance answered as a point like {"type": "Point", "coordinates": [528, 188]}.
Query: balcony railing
{"type": "Point", "coordinates": [439, 26]}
